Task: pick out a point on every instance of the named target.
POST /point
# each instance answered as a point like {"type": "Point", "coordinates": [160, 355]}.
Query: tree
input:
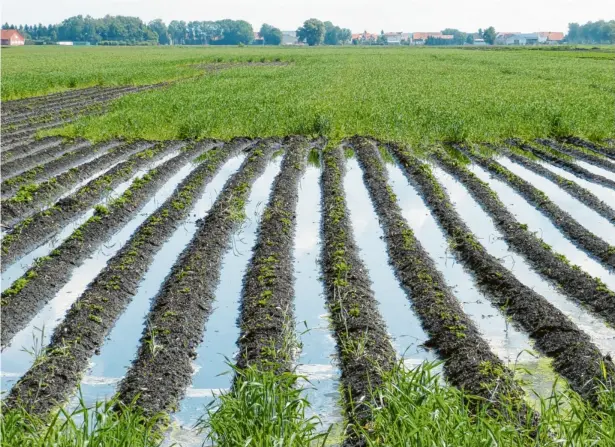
{"type": "Point", "coordinates": [382, 40]}
{"type": "Point", "coordinates": [489, 35]}
{"type": "Point", "coordinates": [160, 28]}
{"type": "Point", "coordinates": [345, 35]}
{"type": "Point", "coordinates": [459, 37]}
{"type": "Point", "coordinates": [177, 30]}
{"type": "Point", "coordinates": [470, 39]}
{"type": "Point", "coordinates": [271, 35]}
{"type": "Point", "coordinates": [332, 33]}
{"type": "Point", "coordinates": [312, 32]}
{"type": "Point", "coordinates": [234, 32]}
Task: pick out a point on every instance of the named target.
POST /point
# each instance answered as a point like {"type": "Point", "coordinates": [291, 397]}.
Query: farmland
{"type": "Point", "coordinates": [362, 239]}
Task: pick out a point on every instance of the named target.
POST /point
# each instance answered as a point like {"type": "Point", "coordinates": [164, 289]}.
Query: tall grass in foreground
{"type": "Point", "coordinates": [100, 425]}
{"type": "Point", "coordinates": [420, 411]}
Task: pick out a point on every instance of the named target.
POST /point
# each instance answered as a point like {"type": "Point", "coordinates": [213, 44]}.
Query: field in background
{"type": "Point", "coordinates": [415, 95]}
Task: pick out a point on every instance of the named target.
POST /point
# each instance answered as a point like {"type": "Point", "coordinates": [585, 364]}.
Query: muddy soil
{"type": "Point", "coordinates": [31, 149]}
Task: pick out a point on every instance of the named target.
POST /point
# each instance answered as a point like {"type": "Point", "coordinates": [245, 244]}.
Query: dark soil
{"type": "Point", "coordinates": [49, 274]}
{"type": "Point", "coordinates": [572, 151]}
{"type": "Point", "coordinates": [574, 356]}
{"type": "Point", "coordinates": [45, 224]}
{"type": "Point", "coordinates": [30, 149]}
{"type": "Point", "coordinates": [93, 315]}
{"type": "Point", "coordinates": [564, 164]}
{"type": "Point", "coordinates": [608, 149]}
{"type": "Point", "coordinates": [75, 156]}
{"type": "Point", "coordinates": [572, 188]}
{"type": "Point", "coordinates": [469, 362]}
{"type": "Point", "coordinates": [363, 345]}
{"type": "Point", "coordinates": [570, 279]}
{"type": "Point", "coordinates": [577, 233]}
{"type": "Point", "coordinates": [163, 368]}
{"type": "Point", "coordinates": [16, 209]}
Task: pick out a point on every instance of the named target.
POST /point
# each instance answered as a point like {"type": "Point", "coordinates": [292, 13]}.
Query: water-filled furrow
{"type": "Point", "coordinates": [480, 223]}
{"type": "Point", "coordinates": [580, 212]}
{"type": "Point", "coordinates": [30, 149]}
{"type": "Point", "coordinates": [110, 364]}
{"type": "Point", "coordinates": [543, 227]}
{"type": "Point", "coordinates": [317, 356]}
{"type": "Point", "coordinates": [402, 323]}
{"type": "Point", "coordinates": [15, 360]}
{"type": "Point", "coordinates": [598, 170]}
{"type": "Point", "coordinates": [221, 333]}
{"type": "Point", "coordinates": [511, 345]}
{"type": "Point", "coordinates": [21, 265]}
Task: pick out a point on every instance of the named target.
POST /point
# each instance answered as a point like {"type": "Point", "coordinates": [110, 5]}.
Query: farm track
{"type": "Point", "coordinates": [555, 268]}
{"type": "Point", "coordinates": [469, 362]}
{"type": "Point", "coordinates": [566, 165]}
{"type": "Point", "coordinates": [93, 315]}
{"type": "Point", "coordinates": [574, 356]}
{"type": "Point", "coordinates": [607, 151]}
{"type": "Point", "coordinates": [30, 199]}
{"type": "Point", "coordinates": [577, 233]}
{"type": "Point", "coordinates": [266, 313]}
{"type": "Point", "coordinates": [31, 149]}
{"type": "Point", "coordinates": [578, 153]}
{"type": "Point", "coordinates": [43, 225]}
{"type": "Point", "coordinates": [364, 348]}
{"type": "Point", "coordinates": [68, 160]}
{"type": "Point", "coordinates": [163, 368]}
{"type": "Point", "coordinates": [49, 274]}
{"type": "Point", "coordinates": [18, 166]}
{"type": "Point", "coordinates": [578, 192]}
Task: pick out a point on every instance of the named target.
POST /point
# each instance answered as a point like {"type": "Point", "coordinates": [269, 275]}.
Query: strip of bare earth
{"type": "Point", "coordinates": [580, 153]}
{"type": "Point", "coordinates": [45, 224]}
{"type": "Point", "coordinates": [574, 356]}
{"type": "Point", "coordinates": [30, 149]}
{"type": "Point", "coordinates": [163, 368]}
{"type": "Point", "coordinates": [571, 279]}
{"type": "Point", "coordinates": [266, 315]}
{"type": "Point", "coordinates": [363, 345]}
{"type": "Point", "coordinates": [81, 154]}
{"type": "Point", "coordinates": [607, 151]}
{"type": "Point", "coordinates": [28, 294]}
{"type": "Point", "coordinates": [561, 162]}
{"type": "Point", "coordinates": [571, 187]}
{"type": "Point", "coordinates": [54, 377]}
{"type": "Point", "coordinates": [469, 362]}
{"type": "Point", "coordinates": [577, 233]}
{"type": "Point", "coordinates": [31, 198]}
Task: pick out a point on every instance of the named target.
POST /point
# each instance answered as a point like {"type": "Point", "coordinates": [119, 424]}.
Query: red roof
{"type": "Point", "coordinates": [424, 36]}
{"type": "Point", "coordinates": [8, 34]}
{"type": "Point", "coordinates": [552, 35]}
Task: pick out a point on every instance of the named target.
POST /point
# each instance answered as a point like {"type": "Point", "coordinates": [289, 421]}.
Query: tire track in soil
{"type": "Point", "coordinates": [93, 315]}
{"type": "Point", "coordinates": [575, 357]}
{"type": "Point", "coordinates": [163, 368]}
{"type": "Point", "coordinates": [566, 165]}
{"type": "Point", "coordinates": [604, 150]}
{"type": "Point", "coordinates": [45, 224]}
{"type": "Point", "coordinates": [570, 279]}
{"type": "Point", "coordinates": [577, 233]}
{"type": "Point", "coordinates": [49, 274]}
{"type": "Point", "coordinates": [363, 345]}
{"type": "Point", "coordinates": [18, 208]}
{"type": "Point", "coordinates": [577, 153]}
{"type": "Point", "coordinates": [469, 362]}
{"type": "Point", "coordinates": [583, 195]}
{"type": "Point", "coordinates": [70, 159]}
{"type": "Point", "coordinates": [31, 149]}
{"type": "Point", "coordinates": [266, 312]}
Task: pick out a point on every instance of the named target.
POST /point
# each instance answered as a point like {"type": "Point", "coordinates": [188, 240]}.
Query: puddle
{"type": "Point", "coordinates": [14, 358]}
{"type": "Point", "coordinates": [509, 344]}
{"type": "Point", "coordinates": [403, 325]}
{"type": "Point", "coordinates": [482, 225]}
{"type": "Point", "coordinates": [317, 357]}
{"type": "Point", "coordinates": [597, 169]}
{"type": "Point", "coordinates": [604, 193]}
{"type": "Point", "coordinates": [537, 222]}
{"type": "Point", "coordinates": [123, 341]}
{"type": "Point", "coordinates": [19, 267]}
{"type": "Point", "coordinates": [221, 331]}
{"type": "Point", "coordinates": [587, 217]}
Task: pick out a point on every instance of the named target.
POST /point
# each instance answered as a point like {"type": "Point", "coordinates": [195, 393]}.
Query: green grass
{"type": "Point", "coordinates": [412, 95]}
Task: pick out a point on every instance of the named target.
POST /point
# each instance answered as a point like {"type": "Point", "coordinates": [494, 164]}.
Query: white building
{"type": "Point", "coordinates": [520, 39]}
{"type": "Point", "coordinates": [289, 38]}
{"type": "Point", "coordinates": [393, 38]}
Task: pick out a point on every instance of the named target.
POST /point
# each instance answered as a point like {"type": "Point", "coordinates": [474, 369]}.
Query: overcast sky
{"type": "Point", "coordinates": [358, 15]}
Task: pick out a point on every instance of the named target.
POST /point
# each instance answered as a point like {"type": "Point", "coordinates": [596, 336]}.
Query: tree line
{"type": "Point", "coordinates": [592, 32]}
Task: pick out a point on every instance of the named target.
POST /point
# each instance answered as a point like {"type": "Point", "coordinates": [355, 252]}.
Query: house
{"type": "Point", "coordinates": [553, 37]}
{"type": "Point", "coordinates": [421, 38]}
{"type": "Point", "coordinates": [364, 37]}
{"type": "Point", "coordinates": [522, 38]}
{"type": "Point", "coordinates": [480, 42]}
{"type": "Point", "coordinates": [393, 38]}
{"type": "Point", "coordinates": [66, 43]}
{"type": "Point", "coordinates": [289, 38]}
{"type": "Point", "coordinates": [12, 37]}
{"type": "Point", "coordinates": [258, 39]}
{"type": "Point", "coordinates": [406, 38]}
